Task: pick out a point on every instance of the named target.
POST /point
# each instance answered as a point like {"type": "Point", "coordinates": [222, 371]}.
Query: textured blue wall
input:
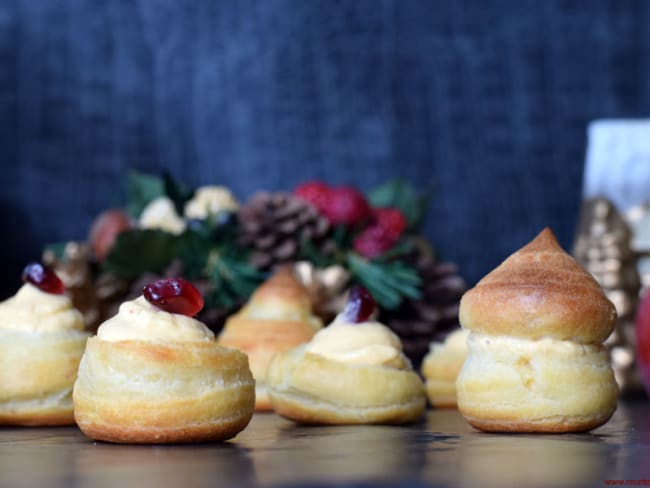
{"type": "Point", "coordinates": [489, 100]}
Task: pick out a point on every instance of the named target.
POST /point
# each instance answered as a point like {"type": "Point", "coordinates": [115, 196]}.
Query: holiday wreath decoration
{"type": "Point", "coordinates": [333, 236]}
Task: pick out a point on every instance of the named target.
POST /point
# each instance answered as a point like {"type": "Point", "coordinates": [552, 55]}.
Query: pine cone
{"type": "Point", "coordinates": [435, 314]}
{"type": "Point", "coordinates": [275, 225]}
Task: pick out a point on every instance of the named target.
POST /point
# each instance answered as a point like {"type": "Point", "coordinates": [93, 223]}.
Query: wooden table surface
{"type": "Point", "coordinates": [442, 450]}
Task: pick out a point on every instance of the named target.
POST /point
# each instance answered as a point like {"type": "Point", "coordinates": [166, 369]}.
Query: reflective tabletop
{"type": "Point", "coordinates": [442, 450]}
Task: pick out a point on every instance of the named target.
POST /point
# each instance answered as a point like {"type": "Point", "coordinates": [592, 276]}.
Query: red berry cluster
{"type": "Point", "coordinates": [341, 205]}
{"type": "Point", "coordinates": [382, 234]}
{"type": "Point", "coordinates": [348, 206]}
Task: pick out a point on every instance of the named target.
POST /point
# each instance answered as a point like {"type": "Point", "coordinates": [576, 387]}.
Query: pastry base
{"type": "Point", "coordinates": [307, 411]}
{"type": "Point", "coordinates": [262, 398]}
{"type": "Point", "coordinates": [145, 392]}
{"type": "Point", "coordinates": [37, 371]}
{"type": "Point", "coordinates": [548, 425]}
{"type": "Point", "coordinates": [310, 388]}
{"type": "Point", "coordinates": [440, 369]}
{"type": "Point", "coordinates": [53, 410]}
{"type": "Point", "coordinates": [117, 433]}
{"type": "Point", "coordinates": [441, 393]}
{"type": "Point", "coordinates": [518, 385]}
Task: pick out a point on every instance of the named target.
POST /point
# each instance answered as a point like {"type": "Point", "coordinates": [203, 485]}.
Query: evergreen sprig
{"type": "Point", "coordinates": [232, 277]}
{"type": "Point", "coordinates": [388, 281]}
{"type": "Point", "coordinates": [208, 249]}
{"type": "Point", "coordinates": [140, 251]}
{"type": "Point", "coordinates": [403, 196]}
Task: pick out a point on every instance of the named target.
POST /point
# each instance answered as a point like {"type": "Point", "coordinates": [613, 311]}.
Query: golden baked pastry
{"type": "Point", "coordinates": [42, 339]}
{"type": "Point", "coordinates": [441, 366]}
{"type": "Point", "coordinates": [351, 372]}
{"type": "Point", "coordinates": [535, 360]}
{"type": "Point", "coordinates": [152, 376]}
{"type": "Point", "coordinates": [276, 318]}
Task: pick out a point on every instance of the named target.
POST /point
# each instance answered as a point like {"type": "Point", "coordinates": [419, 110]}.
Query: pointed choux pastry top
{"type": "Point", "coordinates": [277, 317]}
{"type": "Point", "coordinates": [281, 298]}
{"type": "Point", "coordinates": [539, 291]}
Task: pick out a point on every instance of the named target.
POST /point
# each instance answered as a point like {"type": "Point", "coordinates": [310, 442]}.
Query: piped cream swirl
{"type": "Point", "coordinates": [140, 320]}
{"type": "Point", "coordinates": [369, 343]}
{"type": "Point", "coordinates": [33, 310]}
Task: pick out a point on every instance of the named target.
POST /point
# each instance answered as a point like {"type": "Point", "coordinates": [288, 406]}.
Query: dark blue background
{"type": "Point", "coordinates": [489, 100]}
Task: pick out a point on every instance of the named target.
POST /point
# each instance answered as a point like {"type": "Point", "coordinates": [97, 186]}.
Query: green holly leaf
{"type": "Point", "coordinates": [141, 189]}
{"type": "Point", "coordinates": [311, 253]}
{"type": "Point", "coordinates": [389, 283]}
{"type": "Point", "coordinates": [208, 250]}
{"type": "Point", "coordinates": [140, 251]}
{"type": "Point", "coordinates": [402, 195]}
{"type": "Point", "coordinates": [193, 250]}
{"type": "Point", "coordinates": [234, 279]}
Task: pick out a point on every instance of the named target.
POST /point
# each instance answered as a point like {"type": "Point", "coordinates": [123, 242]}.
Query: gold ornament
{"type": "Point", "coordinates": [603, 247]}
{"type": "Point", "coordinates": [639, 219]}
{"type": "Point", "coordinates": [326, 286]}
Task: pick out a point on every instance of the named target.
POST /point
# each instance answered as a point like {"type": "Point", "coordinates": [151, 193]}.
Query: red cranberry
{"type": "Point", "coordinates": [360, 305]}
{"type": "Point", "coordinates": [43, 278]}
{"type": "Point", "coordinates": [174, 295]}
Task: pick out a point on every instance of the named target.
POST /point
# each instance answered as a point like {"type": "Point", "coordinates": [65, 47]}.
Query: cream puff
{"type": "Point", "coordinates": [535, 359]}
{"type": "Point", "coordinates": [42, 339]}
{"type": "Point", "coordinates": [441, 366]}
{"type": "Point", "coordinates": [277, 318]}
{"type": "Point", "coordinates": [154, 374]}
{"type": "Point", "coordinates": [351, 372]}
